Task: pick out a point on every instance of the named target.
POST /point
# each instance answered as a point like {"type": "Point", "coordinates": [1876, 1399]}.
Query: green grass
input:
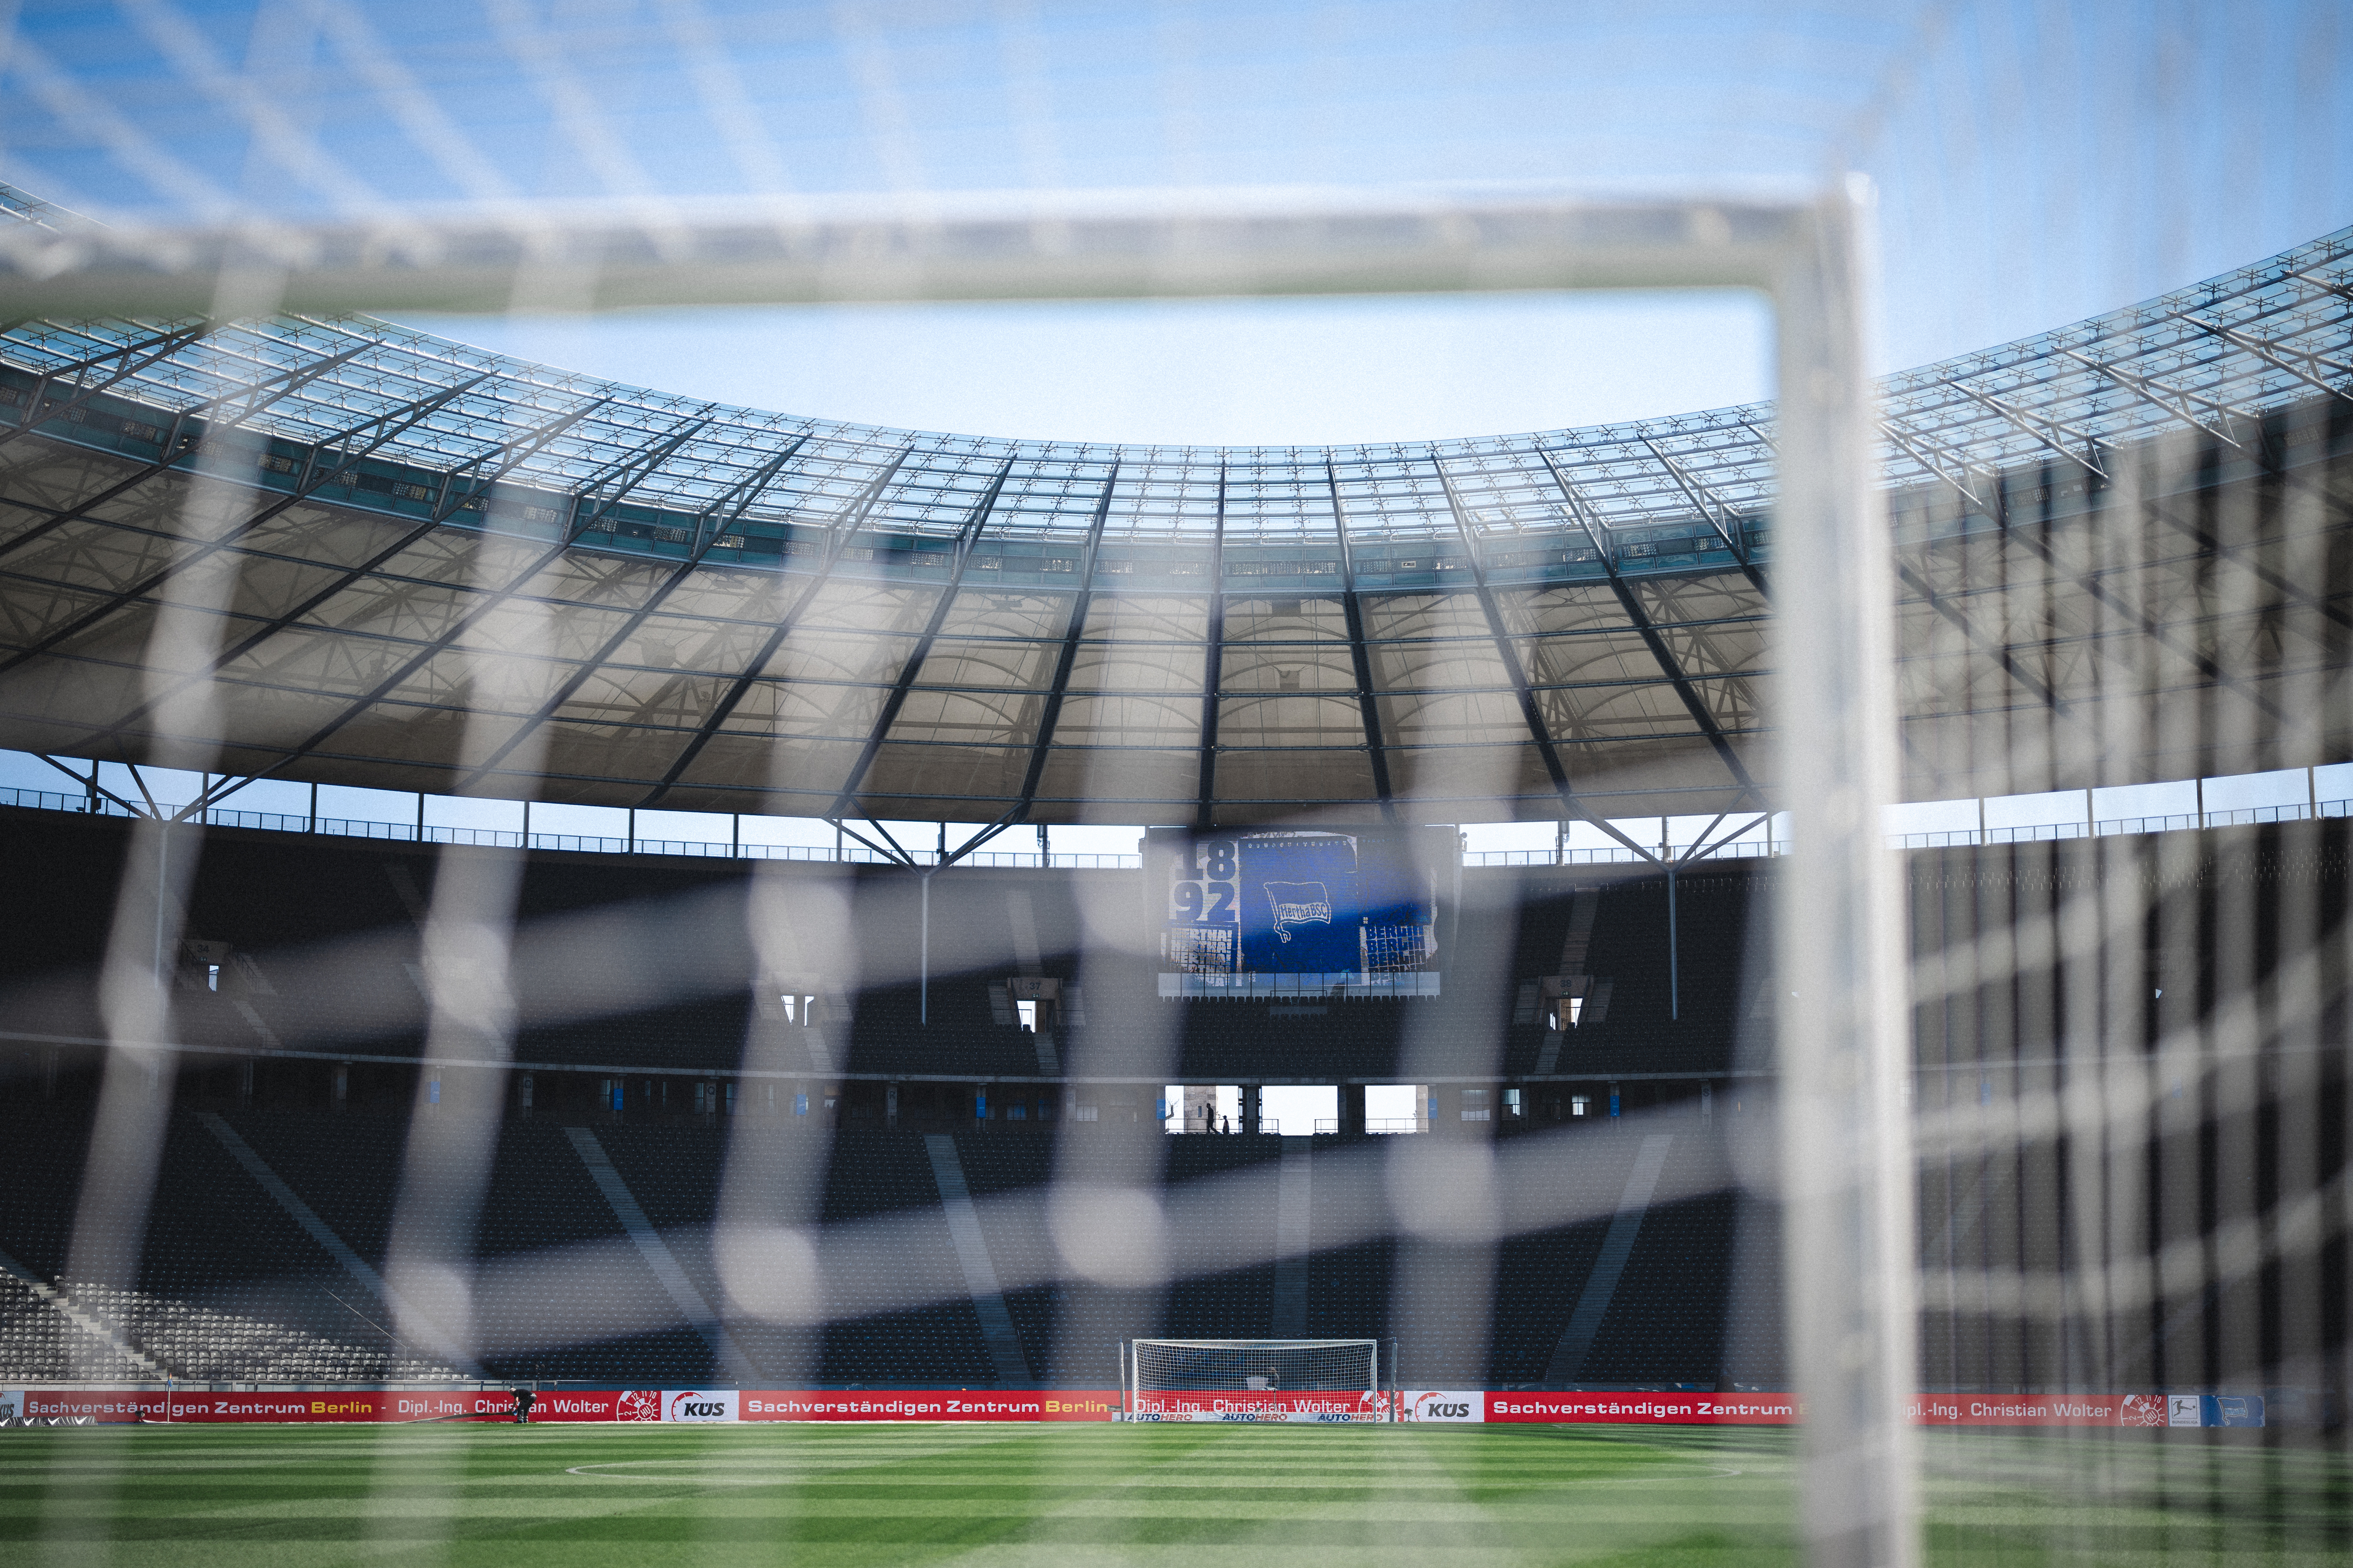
{"type": "Point", "coordinates": [585, 1497]}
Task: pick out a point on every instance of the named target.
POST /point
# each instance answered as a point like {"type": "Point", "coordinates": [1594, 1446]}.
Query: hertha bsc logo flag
{"type": "Point", "coordinates": [1299, 902]}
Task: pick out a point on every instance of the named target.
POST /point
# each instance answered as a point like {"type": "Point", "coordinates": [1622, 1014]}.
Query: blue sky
{"type": "Point", "coordinates": [1266, 372]}
{"type": "Point", "coordinates": [2039, 162]}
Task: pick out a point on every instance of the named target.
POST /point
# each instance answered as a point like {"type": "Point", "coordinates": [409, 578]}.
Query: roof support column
{"type": "Point", "coordinates": [1369, 707]}
{"type": "Point", "coordinates": [1205, 806]}
{"type": "Point", "coordinates": [1530, 714]}
{"type": "Point", "coordinates": [1059, 688]}
{"type": "Point", "coordinates": [1627, 601]}
{"type": "Point", "coordinates": [975, 519]}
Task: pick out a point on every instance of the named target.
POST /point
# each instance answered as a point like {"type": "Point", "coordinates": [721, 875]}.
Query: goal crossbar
{"type": "Point", "coordinates": [1843, 1119]}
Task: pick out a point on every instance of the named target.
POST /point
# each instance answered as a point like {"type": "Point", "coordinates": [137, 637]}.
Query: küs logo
{"type": "Point", "coordinates": [686, 1405]}
{"type": "Point", "coordinates": [1445, 1404]}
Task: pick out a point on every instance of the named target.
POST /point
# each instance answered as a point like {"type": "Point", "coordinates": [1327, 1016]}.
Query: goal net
{"type": "Point", "coordinates": [1256, 1379]}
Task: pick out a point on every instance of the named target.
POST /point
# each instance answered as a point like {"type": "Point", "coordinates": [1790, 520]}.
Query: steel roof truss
{"type": "Point", "coordinates": [1999, 652]}
{"type": "Point", "coordinates": [982, 835]}
{"type": "Point", "coordinates": [490, 601]}
{"type": "Point", "coordinates": [344, 580]}
{"type": "Point", "coordinates": [1500, 634]}
{"type": "Point", "coordinates": [836, 538]}
{"type": "Point", "coordinates": [260, 394]}
{"type": "Point", "coordinates": [175, 448]}
{"type": "Point", "coordinates": [1718, 516]}
{"type": "Point", "coordinates": [2318, 280]}
{"type": "Point", "coordinates": [897, 854]}
{"type": "Point", "coordinates": [165, 346]}
{"type": "Point", "coordinates": [975, 519]}
{"type": "Point", "coordinates": [393, 423]}
{"type": "Point", "coordinates": [512, 455]}
{"type": "Point", "coordinates": [1647, 628]}
{"type": "Point", "coordinates": [2279, 356]}
{"type": "Point", "coordinates": [2040, 426]}
{"type": "Point", "coordinates": [2089, 583]}
{"type": "Point", "coordinates": [90, 783]}
{"type": "Point", "coordinates": [745, 492]}
{"type": "Point", "coordinates": [1058, 686]}
{"type": "Point", "coordinates": [631, 472]}
{"type": "Point", "coordinates": [1697, 853]}
{"type": "Point", "coordinates": [1926, 454]}
{"type": "Point", "coordinates": [2182, 406]}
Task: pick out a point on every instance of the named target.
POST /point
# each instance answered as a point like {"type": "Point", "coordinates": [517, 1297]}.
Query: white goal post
{"type": "Point", "coordinates": [1327, 1382]}
{"type": "Point", "coordinates": [1845, 1187]}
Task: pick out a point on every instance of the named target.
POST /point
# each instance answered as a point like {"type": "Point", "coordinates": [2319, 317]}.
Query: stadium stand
{"type": "Point", "coordinates": [346, 1170]}
{"type": "Point", "coordinates": [232, 1286]}
{"type": "Point", "coordinates": [325, 953]}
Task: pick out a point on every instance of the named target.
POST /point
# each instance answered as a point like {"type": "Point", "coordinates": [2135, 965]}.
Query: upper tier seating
{"type": "Point", "coordinates": [326, 943]}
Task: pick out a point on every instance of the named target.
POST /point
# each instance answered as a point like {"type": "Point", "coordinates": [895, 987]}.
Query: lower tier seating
{"type": "Point", "coordinates": [602, 1254]}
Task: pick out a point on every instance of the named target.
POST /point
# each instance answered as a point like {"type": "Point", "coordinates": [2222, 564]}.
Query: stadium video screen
{"type": "Point", "coordinates": [1276, 913]}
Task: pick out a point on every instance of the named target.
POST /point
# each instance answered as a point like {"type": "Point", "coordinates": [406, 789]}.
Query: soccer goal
{"type": "Point", "coordinates": [1328, 1380]}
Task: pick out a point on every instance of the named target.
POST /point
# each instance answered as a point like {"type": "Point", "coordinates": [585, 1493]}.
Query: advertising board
{"type": "Point", "coordinates": [1236, 1405]}
{"type": "Point", "coordinates": [1244, 1404]}
{"type": "Point", "coordinates": [1624, 1409]}
{"type": "Point", "coordinates": [929, 1405]}
{"type": "Point", "coordinates": [693, 1405]}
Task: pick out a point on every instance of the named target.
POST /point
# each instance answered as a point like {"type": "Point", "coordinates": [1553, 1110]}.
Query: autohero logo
{"type": "Point", "coordinates": [686, 1405]}
{"type": "Point", "coordinates": [1445, 1404]}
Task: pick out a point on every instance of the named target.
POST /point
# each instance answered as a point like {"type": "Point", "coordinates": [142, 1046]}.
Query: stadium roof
{"type": "Point", "coordinates": [455, 570]}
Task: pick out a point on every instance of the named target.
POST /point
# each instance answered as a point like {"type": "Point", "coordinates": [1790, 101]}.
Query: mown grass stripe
{"type": "Point", "coordinates": [280, 1498]}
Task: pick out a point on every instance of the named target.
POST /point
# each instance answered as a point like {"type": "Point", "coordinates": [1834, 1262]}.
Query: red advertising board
{"type": "Point", "coordinates": [1635, 1409]}
{"type": "Point", "coordinates": [1782, 1409]}
{"type": "Point", "coordinates": [572, 1404]}
{"type": "Point", "coordinates": [367, 1404]}
{"type": "Point", "coordinates": [927, 1404]}
{"type": "Point", "coordinates": [1081, 1404]}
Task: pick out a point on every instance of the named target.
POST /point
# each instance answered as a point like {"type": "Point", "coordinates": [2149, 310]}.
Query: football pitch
{"type": "Point", "coordinates": [583, 1496]}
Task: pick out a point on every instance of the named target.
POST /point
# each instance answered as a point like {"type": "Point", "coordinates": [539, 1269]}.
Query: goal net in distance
{"type": "Point", "coordinates": [1256, 1379]}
